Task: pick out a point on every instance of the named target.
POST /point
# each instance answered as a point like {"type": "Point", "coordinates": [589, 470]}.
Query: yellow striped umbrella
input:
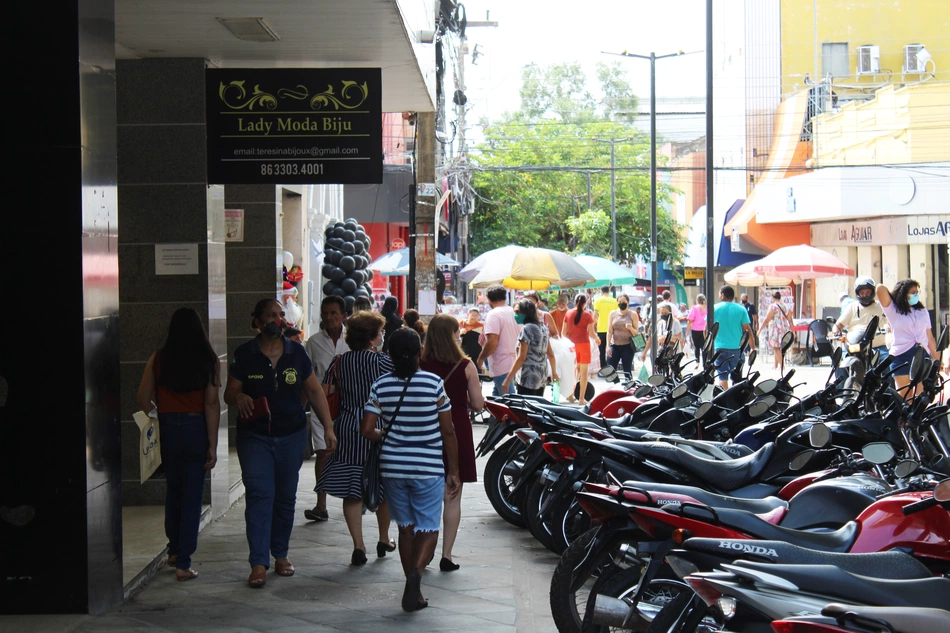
{"type": "Point", "coordinates": [533, 269]}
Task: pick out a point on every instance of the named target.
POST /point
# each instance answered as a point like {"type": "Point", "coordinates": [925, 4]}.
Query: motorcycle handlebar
{"type": "Point", "coordinates": [919, 506]}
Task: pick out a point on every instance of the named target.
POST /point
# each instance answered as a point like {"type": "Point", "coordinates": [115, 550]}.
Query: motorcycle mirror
{"type": "Point", "coordinates": [682, 403]}
{"type": "Point", "coordinates": [752, 356]}
{"type": "Point", "coordinates": [702, 410]}
{"type": "Point", "coordinates": [680, 391]}
{"type": "Point", "coordinates": [943, 340]}
{"type": "Point", "coordinates": [643, 391]}
{"type": "Point", "coordinates": [744, 340]}
{"type": "Point", "coordinates": [609, 374]}
{"type": "Point", "coordinates": [758, 409]}
{"type": "Point", "coordinates": [801, 460]}
{"type": "Point", "coordinates": [871, 331]}
{"type": "Point", "coordinates": [766, 386]}
{"type": "Point", "coordinates": [787, 339]}
{"type": "Point", "coordinates": [875, 358]}
{"type": "Point", "coordinates": [906, 468]}
{"type": "Point", "coordinates": [836, 358]}
{"type": "Point", "coordinates": [917, 365]}
{"type": "Point", "coordinates": [819, 435]}
{"type": "Point", "coordinates": [942, 491]}
{"type": "Point", "coordinates": [656, 380]}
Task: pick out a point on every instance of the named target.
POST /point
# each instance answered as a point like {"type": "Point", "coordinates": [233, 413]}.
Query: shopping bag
{"type": "Point", "coordinates": [150, 448]}
{"type": "Point", "coordinates": [644, 375]}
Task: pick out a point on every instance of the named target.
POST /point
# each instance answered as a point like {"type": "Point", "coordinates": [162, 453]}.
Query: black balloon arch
{"type": "Point", "coordinates": [346, 257]}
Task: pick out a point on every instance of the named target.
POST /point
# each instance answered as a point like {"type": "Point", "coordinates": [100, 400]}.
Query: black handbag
{"type": "Point", "coordinates": [371, 483]}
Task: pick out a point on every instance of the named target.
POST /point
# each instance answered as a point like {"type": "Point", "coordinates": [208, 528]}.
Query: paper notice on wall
{"type": "Point", "coordinates": [150, 447]}
{"type": "Point", "coordinates": [234, 225]}
{"type": "Point", "coordinates": [427, 304]}
{"type": "Point", "coordinates": [176, 259]}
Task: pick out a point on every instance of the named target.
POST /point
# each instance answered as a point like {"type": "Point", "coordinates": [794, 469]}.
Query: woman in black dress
{"type": "Point", "coordinates": [353, 373]}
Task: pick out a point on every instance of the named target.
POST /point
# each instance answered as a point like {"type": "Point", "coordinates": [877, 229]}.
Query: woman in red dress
{"type": "Point", "coordinates": [443, 357]}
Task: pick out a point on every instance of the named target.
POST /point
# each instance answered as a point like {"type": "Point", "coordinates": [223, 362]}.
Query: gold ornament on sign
{"type": "Point", "coordinates": [350, 90]}
{"type": "Point", "coordinates": [258, 97]}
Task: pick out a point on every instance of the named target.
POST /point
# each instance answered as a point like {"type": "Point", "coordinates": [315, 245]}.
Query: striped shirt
{"type": "Point", "coordinates": [413, 448]}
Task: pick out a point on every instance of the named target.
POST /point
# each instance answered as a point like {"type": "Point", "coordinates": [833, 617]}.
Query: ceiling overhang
{"type": "Point", "coordinates": [382, 34]}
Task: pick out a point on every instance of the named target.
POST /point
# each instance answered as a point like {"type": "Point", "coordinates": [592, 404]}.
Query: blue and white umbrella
{"type": "Point", "coordinates": [396, 263]}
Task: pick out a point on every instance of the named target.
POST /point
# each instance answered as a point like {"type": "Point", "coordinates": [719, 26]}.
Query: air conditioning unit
{"type": "Point", "coordinates": [869, 60]}
{"type": "Point", "coordinates": [916, 57]}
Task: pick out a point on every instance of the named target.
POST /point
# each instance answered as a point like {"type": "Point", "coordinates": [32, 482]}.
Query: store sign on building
{"type": "Point", "coordinates": [925, 229]}
{"type": "Point", "coordinates": [294, 126]}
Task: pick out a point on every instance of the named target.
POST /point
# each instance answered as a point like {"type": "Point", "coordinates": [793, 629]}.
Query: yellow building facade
{"type": "Point", "coordinates": [826, 37]}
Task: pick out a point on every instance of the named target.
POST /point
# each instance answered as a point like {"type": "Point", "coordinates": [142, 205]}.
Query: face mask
{"type": "Point", "coordinates": [622, 305]}
{"type": "Point", "coordinates": [913, 299]}
{"type": "Point", "coordinates": [272, 330]}
{"type": "Point", "coordinates": [519, 319]}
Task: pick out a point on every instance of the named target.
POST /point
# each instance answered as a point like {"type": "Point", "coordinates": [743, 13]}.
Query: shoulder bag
{"type": "Point", "coordinates": [371, 483]}
{"type": "Point", "coordinates": [333, 399]}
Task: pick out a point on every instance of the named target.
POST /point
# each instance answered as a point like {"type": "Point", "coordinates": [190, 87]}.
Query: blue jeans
{"type": "Point", "coordinates": [622, 353]}
{"type": "Point", "coordinates": [184, 452]}
{"type": "Point", "coordinates": [728, 361]}
{"type": "Point", "coordinates": [499, 380]}
{"type": "Point", "coordinates": [270, 467]}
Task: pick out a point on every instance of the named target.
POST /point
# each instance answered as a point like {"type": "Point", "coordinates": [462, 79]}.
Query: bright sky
{"type": "Point", "coordinates": [558, 31]}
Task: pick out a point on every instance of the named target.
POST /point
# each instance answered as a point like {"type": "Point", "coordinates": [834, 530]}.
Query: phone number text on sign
{"type": "Point", "coordinates": [291, 169]}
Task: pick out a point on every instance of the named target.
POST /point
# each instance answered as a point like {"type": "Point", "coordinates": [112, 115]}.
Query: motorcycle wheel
{"type": "Point", "coordinates": [569, 525]}
{"type": "Point", "coordinates": [531, 511]}
{"type": "Point", "coordinates": [568, 607]}
{"type": "Point", "coordinates": [683, 614]}
{"type": "Point", "coordinates": [498, 485]}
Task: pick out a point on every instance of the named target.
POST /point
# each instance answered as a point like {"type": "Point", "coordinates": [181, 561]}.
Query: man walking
{"type": "Point", "coordinates": [501, 337]}
{"type": "Point", "coordinates": [733, 320]}
{"type": "Point", "coordinates": [322, 348]}
{"type": "Point", "coordinates": [603, 306]}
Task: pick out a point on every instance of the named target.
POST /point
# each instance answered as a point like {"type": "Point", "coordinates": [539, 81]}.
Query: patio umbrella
{"type": "Point", "coordinates": [397, 262]}
{"type": "Point", "coordinates": [605, 272]}
{"type": "Point", "coordinates": [745, 275]}
{"type": "Point", "coordinates": [505, 254]}
{"type": "Point", "coordinates": [533, 268]}
{"type": "Point", "coordinates": [802, 262]}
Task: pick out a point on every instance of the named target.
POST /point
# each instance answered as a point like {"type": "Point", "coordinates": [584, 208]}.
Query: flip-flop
{"type": "Point", "coordinates": [190, 574]}
{"type": "Point", "coordinates": [410, 596]}
{"type": "Point", "coordinates": [284, 569]}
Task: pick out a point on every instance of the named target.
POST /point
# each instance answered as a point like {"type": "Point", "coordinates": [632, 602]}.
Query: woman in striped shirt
{"type": "Point", "coordinates": [413, 475]}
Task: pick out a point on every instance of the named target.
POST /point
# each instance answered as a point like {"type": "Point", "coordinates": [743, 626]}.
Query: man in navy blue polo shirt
{"type": "Point", "coordinates": [271, 445]}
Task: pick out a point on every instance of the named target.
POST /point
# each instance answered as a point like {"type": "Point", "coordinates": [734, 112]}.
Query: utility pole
{"type": "Point", "coordinates": [423, 234]}
{"type": "Point", "coordinates": [653, 224]}
{"type": "Point", "coordinates": [613, 192]}
{"type": "Point", "coordinates": [710, 163]}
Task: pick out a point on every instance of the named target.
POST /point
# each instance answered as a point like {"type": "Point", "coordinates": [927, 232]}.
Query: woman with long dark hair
{"type": "Point", "coordinates": [534, 347]}
{"type": "Point", "coordinates": [390, 312]}
{"type": "Point", "coordinates": [181, 378]}
{"type": "Point", "coordinates": [911, 325]}
{"type": "Point", "coordinates": [419, 457]}
{"type": "Point", "coordinates": [272, 437]}
{"type": "Point", "coordinates": [579, 329]}
{"type": "Point", "coordinates": [414, 322]}
{"type": "Point", "coordinates": [442, 356]}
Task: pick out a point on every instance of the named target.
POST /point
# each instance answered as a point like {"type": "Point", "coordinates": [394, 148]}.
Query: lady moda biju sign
{"type": "Point", "coordinates": [294, 126]}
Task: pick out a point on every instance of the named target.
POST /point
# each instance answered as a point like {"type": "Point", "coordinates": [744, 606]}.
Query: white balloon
{"type": "Point", "coordinates": [288, 259]}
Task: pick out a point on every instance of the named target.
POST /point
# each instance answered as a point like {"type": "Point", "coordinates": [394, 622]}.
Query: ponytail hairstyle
{"type": "Point", "coordinates": [404, 348]}
{"type": "Point", "coordinates": [579, 304]}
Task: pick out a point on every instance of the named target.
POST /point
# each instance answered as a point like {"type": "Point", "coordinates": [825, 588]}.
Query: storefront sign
{"type": "Point", "coordinates": [294, 126]}
{"type": "Point", "coordinates": [693, 273]}
{"type": "Point", "coordinates": [925, 229]}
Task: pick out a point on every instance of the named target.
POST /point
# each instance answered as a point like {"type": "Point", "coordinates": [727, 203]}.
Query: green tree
{"type": "Point", "coordinates": [532, 171]}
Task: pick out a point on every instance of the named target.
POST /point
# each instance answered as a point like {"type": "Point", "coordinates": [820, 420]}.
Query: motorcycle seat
{"type": "Point", "coordinates": [828, 580]}
{"type": "Point", "coordinates": [574, 414]}
{"type": "Point", "coordinates": [755, 506]}
{"type": "Point", "coordinates": [900, 618]}
{"type": "Point", "coordinates": [838, 541]}
{"type": "Point", "coordinates": [722, 475]}
{"type": "Point", "coordinates": [631, 433]}
{"type": "Point", "coordinates": [893, 565]}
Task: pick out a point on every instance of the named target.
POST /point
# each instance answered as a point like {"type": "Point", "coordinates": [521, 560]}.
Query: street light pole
{"type": "Point", "coordinates": [613, 192]}
{"type": "Point", "coordinates": [653, 224]}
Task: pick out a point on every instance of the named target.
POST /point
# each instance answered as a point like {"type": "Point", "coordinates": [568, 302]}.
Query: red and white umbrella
{"type": "Point", "coordinates": [802, 262]}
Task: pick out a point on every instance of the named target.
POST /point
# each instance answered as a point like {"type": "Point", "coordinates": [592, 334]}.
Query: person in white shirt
{"type": "Point", "coordinates": [322, 348]}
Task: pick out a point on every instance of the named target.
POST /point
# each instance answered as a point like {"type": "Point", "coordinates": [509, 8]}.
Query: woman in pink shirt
{"type": "Point", "coordinates": [697, 325]}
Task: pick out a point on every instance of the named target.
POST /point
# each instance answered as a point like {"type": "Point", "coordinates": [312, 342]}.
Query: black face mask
{"type": "Point", "coordinates": [622, 305]}
{"type": "Point", "coordinates": [272, 330]}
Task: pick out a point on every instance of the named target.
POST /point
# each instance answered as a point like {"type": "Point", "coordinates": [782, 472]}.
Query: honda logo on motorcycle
{"type": "Point", "coordinates": [745, 548]}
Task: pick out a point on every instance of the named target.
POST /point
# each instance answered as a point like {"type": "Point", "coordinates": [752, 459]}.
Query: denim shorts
{"type": "Point", "coordinates": [727, 361]}
{"type": "Point", "coordinates": [416, 502]}
{"type": "Point", "coordinates": [900, 359]}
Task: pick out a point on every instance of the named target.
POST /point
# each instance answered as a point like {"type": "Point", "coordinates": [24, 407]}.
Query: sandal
{"type": "Point", "coordinates": [181, 575]}
{"type": "Point", "coordinates": [257, 579]}
{"type": "Point", "coordinates": [283, 567]}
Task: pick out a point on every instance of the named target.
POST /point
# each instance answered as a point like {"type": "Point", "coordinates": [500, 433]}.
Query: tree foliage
{"type": "Point", "coordinates": [534, 165]}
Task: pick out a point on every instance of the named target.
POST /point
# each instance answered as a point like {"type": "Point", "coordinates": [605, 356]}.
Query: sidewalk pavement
{"type": "Point", "coordinates": [502, 585]}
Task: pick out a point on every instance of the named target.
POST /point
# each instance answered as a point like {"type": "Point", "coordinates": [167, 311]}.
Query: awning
{"type": "Point", "coordinates": [696, 250]}
{"type": "Point", "coordinates": [787, 157]}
